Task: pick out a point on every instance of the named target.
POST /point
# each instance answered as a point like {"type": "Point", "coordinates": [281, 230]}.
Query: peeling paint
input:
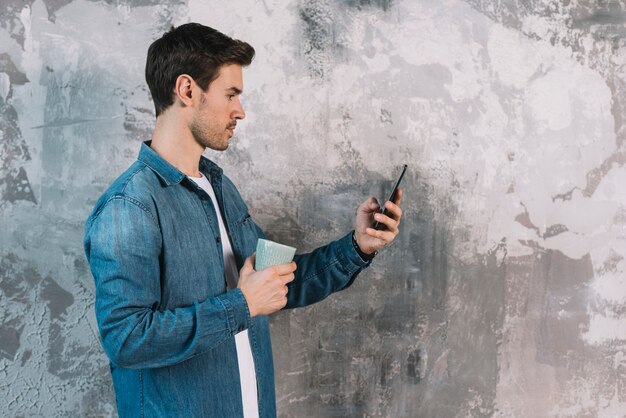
{"type": "Point", "coordinates": [503, 295]}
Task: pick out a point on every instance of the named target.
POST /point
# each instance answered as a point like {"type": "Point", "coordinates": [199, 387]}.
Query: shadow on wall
{"type": "Point", "coordinates": [374, 347]}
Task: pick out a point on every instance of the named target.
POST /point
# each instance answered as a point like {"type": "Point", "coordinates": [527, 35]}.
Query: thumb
{"type": "Point", "coordinates": [371, 205]}
{"type": "Point", "coordinates": [248, 265]}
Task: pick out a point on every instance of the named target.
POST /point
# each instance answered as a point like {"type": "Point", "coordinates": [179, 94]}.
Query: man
{"type": "Point", "coordinates": [181, 311]}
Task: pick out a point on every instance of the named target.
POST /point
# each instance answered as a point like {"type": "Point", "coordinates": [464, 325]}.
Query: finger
{"type": "Point", "coordinates": [283, 269]}
{"type": "Point", "coordinates": [391, 224]}
{"type": "Point", "coordinates": [394, 210]}
{"type": "Point", "coordinates": [385, 236]}
{"type": "Point", "coordinates": [288, 278]}
{"type": "Point", "coordinates": [281, 295]}
{"type": "Point", "coordinates": [398, 196]}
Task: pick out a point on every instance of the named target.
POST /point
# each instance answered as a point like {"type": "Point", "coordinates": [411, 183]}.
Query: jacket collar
{"type": "Point", "coordinates": [170, 174]}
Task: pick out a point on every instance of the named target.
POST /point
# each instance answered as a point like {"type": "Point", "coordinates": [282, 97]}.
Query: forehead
{"type": "Point", "coordinates": [230, 75]}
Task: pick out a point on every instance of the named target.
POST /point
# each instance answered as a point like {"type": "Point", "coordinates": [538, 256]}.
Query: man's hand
{"type": "Point", "coordinates": [369, 239]}
{"type": "Point", "coordinates": [265, 290]}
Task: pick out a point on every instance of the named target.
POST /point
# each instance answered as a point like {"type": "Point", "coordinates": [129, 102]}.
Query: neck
{"type": "Point", "coordinates": [173, 141]}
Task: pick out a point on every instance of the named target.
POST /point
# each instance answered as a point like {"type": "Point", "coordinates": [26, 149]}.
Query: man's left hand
{"type": "Point", "coordinates": [369, 239]}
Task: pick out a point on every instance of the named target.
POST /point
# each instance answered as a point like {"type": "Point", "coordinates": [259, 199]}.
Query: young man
{"type": "Point", "coordinates": [181, 311]}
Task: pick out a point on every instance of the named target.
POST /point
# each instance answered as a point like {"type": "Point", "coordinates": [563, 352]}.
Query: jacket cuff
{"type": "Point", "coordinates": [237, 312]}
{"type": "Point", "coordinates": [350, 255]}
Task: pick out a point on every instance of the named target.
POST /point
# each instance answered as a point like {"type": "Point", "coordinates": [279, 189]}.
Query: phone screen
{"type": "Point", "coordinates": [378, 225]}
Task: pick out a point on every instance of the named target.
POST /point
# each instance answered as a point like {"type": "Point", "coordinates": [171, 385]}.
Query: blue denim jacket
{"type": "Point", "coordinates": [166, 321]}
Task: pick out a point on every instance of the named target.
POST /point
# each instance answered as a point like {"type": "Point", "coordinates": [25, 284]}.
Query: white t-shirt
{"type": "Point", "coordinates": [247, 373]}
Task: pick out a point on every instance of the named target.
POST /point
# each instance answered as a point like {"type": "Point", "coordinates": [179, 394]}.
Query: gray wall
{"type": "Point", "coordinates": [505, 294]}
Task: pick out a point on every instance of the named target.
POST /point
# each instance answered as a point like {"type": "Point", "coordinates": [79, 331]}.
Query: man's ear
{"type": "Point", "coordinates": [183, 89]}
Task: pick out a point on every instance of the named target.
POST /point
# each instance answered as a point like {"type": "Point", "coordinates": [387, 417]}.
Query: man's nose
{"type": "Point", "coordinates": [238, 112]}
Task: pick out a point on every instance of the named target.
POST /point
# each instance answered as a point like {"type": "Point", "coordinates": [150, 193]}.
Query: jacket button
{"type": "Point", "coordinates": [240, 328]}
{"type": "Point", "coordinates": [218, 239]}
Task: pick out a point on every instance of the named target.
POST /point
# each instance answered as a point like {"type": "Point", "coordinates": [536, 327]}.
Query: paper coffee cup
{"type": "Point", "coordinates": [270, 253]}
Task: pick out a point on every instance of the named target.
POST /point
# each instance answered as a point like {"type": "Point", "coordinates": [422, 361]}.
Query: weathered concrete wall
{"type": "Point", "coordinates": [504, 296]}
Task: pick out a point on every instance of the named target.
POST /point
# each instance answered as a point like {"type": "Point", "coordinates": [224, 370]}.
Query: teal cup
{"type": "Point", "coordinates": [270, 253]}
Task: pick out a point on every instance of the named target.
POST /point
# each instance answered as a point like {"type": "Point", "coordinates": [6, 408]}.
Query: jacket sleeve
{"type": "Point", "coordinates": [123, 246]}
{"type": "Point", "coordinates": [325, 270]}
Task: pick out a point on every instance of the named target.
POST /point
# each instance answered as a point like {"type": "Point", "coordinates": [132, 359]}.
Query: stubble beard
{"type": "Point", "coordinates": [207, 135]}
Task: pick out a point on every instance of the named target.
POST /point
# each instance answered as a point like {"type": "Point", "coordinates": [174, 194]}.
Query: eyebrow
{"type": "Point", "coordinates": [234, 90]}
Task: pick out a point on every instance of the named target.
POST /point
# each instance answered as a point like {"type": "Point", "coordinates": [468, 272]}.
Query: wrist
{"type": "Point", "coordinates": [251, 310]}
{"type": "Point", "coordinates": [364, 256]}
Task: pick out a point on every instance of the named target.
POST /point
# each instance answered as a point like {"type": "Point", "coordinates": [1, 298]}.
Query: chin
{"type": "Point", "coordinates": [216, 146]}
{"type": "Point", "coordinates": [220, 147]}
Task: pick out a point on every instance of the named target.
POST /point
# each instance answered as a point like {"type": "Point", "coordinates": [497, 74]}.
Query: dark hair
{"type": "Point", "coordinates": [192, 49]}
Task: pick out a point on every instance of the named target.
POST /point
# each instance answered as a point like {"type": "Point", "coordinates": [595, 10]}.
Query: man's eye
{"type": "Point", "coordinates": [230, 97]}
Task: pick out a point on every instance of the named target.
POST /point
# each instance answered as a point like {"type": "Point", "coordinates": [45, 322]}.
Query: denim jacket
{"type": "Point", "coordinates": [166, 321]}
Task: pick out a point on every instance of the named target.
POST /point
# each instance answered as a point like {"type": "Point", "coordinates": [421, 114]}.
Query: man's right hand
{"type": "Point", "coordinates": [265, 290]}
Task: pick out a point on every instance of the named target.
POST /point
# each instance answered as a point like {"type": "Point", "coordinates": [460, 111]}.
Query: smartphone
{"type": "Point", "coordinates": [378, 225]}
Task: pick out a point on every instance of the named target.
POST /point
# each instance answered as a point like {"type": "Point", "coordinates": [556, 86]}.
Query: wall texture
{"type": "Point", "coordinates": [504, 296]}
